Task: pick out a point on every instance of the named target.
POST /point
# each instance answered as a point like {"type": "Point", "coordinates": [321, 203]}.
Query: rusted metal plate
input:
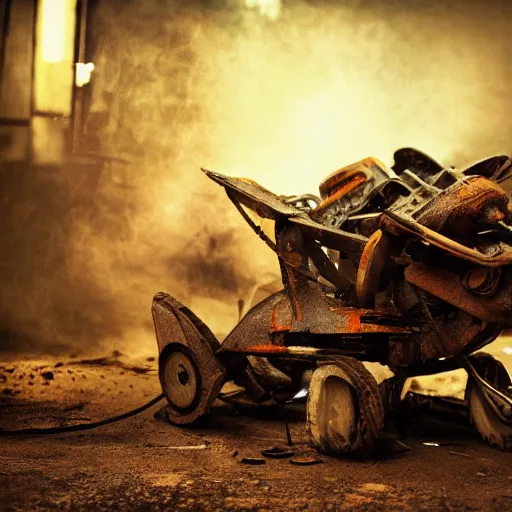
{"type": "Point", "coordinates": [251, 194]}
{"type": "Point", "coordinates": [271, 206]}
{"type": "Point", "coordinates": [447, 286]}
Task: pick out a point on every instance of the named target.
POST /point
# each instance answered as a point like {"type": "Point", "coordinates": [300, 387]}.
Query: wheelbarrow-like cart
{"type": "Point", "coordinates": [408, 266]}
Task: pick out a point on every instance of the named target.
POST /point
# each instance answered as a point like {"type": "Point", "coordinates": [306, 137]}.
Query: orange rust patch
{"type": "Point", "coordinates": [479, 184]}
{"type": "Point", "coordinates": [353, 323]}
{"type": "Point", "coordinates": [385, 328]}
{"type": "Point", "coordinates": [275, 325]}
{"type": "Point", "coordinates": [343, 185]}
{"type": "Point", "coordinates": [364, 262]}
{"type": "Point", "coordinates": [266, 349]}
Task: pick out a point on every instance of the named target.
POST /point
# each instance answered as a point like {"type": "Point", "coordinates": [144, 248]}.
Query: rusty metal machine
{"type": "Point", "coordinates": [408, 266]}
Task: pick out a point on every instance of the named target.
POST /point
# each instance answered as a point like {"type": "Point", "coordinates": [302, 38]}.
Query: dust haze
{"type": "Point", "coordinates": [217, 84]}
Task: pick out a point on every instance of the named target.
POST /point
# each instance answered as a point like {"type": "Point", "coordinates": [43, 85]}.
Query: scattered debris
{"type": "Point", "coordinates": [442, 443]}
{"type": "Point", "coordinates": [277, 453]}
{"type": "Point", "coordinates": [59, 364]}
{"type": "Point", "coordinates": [113, 361]}
{"type": "Point", "coordinates": [252, 461]}
{"type": "Point", "coordinates": [47, 375]}
{"type": "Point", "coordinates": [180, 448]}
{"type": "Point", "coordinates": [305, 460]}
{"type": "Point", "coordinates": [462, 455]}
{"type": "Point", "coordinates": [75, 407]}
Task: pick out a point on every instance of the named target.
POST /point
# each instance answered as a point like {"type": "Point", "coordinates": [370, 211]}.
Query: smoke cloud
{"type": "Point", "coordinates": [180, 85]}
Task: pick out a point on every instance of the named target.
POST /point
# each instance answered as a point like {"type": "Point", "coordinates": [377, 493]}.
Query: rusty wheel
{"type": "Point", "coordinates": [181, 380]}
{"type": "Point", "coordinates": [490, 417]}
{"type": "Point", "coordinates": [181, 383]}
{"type": "Point", "coordinates": [344, 408]}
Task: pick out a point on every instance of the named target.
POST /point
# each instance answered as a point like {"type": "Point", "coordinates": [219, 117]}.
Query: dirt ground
{"type": "Point", "coordinates": [144, 463]}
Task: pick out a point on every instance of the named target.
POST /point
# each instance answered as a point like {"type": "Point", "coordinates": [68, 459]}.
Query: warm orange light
{"type": "Point", "coordinates": [53, 30]}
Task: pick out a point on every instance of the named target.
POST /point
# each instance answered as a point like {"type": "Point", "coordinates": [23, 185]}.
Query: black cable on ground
{"type": "Point", "coordinates": [80, 426]}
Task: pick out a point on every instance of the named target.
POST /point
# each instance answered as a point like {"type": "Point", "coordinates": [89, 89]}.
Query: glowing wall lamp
{"type": "Point", "coordinates": [83, 73]}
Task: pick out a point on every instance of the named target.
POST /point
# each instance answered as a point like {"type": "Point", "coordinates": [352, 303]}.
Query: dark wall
{"type": "Point", "coordinates": [180, 85]}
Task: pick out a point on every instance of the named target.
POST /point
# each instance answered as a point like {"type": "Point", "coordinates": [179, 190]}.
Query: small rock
{"type": "Point", "coordinates": [150, 359]}
{"type": "Point", "coordinates": [59, 364]}
{"type": "Point", "coordinates": [481, 475]}
{"type": "Point", "coordinates": [116, 353]}
{"type": "Point", "coordinates": [7, 391]}
{"type": "Point", "coordinates": [47, 375]}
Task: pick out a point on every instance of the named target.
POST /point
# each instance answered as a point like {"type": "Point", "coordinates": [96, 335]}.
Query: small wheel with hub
{"type": "Point", "coordinates": [180, 379]}
{"type": "Point", "coordinates": [188, 391]}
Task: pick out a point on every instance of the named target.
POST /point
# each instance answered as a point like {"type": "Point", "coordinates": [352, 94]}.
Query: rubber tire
{"type": "Point", "coordinates": [491, 427]}
{"type": "Point", "coordinates": [344, 383]}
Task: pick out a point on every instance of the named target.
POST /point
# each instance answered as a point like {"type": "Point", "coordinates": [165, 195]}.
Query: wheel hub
{"type": "Point", "coordinates": [180, 380]}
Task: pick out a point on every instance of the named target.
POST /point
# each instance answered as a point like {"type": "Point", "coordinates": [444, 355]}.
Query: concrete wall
{"type": "Point", "coordinates": [180, 85]}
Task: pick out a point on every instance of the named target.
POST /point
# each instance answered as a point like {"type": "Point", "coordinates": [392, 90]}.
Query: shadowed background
{"type": "Point", "coordinates": [284, 96]}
